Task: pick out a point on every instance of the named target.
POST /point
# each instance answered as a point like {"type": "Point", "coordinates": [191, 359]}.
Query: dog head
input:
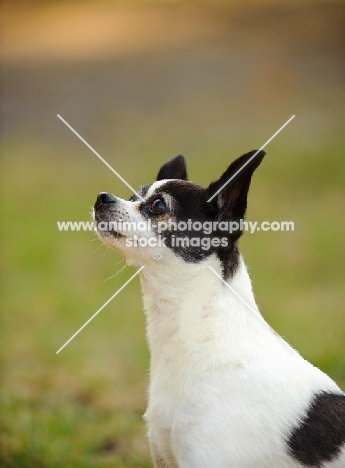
{"type": "Point", "coordinates": [177, 220]}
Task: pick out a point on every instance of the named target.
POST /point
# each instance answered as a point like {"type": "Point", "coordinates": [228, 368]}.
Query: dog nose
{"type": "Point", "coordinates": [104, 198]}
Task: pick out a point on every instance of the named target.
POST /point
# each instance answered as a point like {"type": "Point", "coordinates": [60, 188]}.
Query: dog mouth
{"type": "Point", "coordinates": [104, 216]}
{"type": "Point", "coordinates": [105, 226]}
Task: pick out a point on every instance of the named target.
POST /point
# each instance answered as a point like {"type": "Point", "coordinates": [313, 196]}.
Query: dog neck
{"type": "Point", "coordinates": [191, 312]}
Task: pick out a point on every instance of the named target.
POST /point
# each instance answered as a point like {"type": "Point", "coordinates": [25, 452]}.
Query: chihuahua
{"type": "Point", "coordinates": [225, 390]}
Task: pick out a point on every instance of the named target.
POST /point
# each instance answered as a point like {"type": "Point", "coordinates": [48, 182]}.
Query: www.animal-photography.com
{"type": "Point", "coordinates": [172, 234]}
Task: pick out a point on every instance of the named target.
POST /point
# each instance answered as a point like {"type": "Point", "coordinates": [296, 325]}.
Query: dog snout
{"type": "Point", "coordinates": [104, 199]}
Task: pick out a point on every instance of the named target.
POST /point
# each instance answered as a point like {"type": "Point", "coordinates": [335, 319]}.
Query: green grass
{"type": "Point", "coordinates": [63, 410]}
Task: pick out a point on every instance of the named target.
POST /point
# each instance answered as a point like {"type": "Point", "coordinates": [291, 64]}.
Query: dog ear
{"type": "Point", "coordinates": [231, 201]}
{"type": "Point", "coordinates": [175, 168]}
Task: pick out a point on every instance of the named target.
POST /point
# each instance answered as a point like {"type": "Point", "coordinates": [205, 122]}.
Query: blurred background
{"type": "Point", "coordinates": [141, 82]}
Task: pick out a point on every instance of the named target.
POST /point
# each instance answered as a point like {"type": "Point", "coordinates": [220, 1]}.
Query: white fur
{"type": "Point", "coordinates": [220, 390]}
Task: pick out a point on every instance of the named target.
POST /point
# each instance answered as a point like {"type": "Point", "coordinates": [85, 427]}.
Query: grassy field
{"type": "Point", "coordinates": [83, 408]}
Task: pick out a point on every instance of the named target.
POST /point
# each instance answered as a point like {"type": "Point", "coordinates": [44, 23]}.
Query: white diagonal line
{"type": "Point", "coordinates": [250, 159]}
{"type": "Point", "coordinates": [100, 157]}
{"type": "Point", "coordinates": [259, 316]}
{"type": "Point", "coordinates": [239, 296]}
{"type": "Point", "coordinates": [100, 309]}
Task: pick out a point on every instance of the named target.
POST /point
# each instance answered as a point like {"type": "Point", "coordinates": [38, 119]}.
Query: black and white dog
{"type": "Point", "coordinates": [225, 390]}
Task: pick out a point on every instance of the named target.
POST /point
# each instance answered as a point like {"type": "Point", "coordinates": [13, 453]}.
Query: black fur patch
{"type": "Point", "coordinates": [229, 259]}
{"type": "Point", "coordinates": [190, 203]}
{"type": "Point", "coordinates": [321, 433]}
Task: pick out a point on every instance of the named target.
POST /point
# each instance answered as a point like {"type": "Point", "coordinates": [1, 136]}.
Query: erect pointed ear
{"type": "Point", "coordinates": [229, 193]}
{"type": "Point", "coordinates": [175, 168]}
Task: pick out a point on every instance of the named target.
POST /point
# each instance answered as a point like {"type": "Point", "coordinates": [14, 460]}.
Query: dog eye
{"type": "Point", "coordinates": [158, 206]}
